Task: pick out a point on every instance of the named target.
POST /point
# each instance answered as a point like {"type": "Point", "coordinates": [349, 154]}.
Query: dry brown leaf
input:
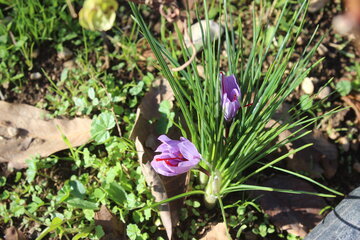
{"type": "Point", "coordinates": [295, 213]}
{"type": "Point", "coordinates": [25, 132]}
{"type": "Point", "coordinates": [145, 136]}
{"type": "Point", "coordinates": [318, 159]}
{"type": "Point", "coordinates": [216, 232]}
{"type": "Point", "coordinates": [12, 233]}
{"type": "Point", "coordinates": [113, 228]}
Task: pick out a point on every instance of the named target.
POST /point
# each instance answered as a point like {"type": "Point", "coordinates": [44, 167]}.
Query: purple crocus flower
{"type": "Point", "coordinates": [230, 93]}
{"type": "Point", "coordinates": [176, 157]}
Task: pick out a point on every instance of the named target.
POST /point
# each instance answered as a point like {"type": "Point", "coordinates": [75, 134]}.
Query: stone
{"type": "Point", "coordinates": [316, 5]}
{"type": "Point", "coordinates": [197, 37]}
{"type": "Point", "coordinates": [64, 54]}
{"type": "Point", "coordinates": [345, 143]}
{"type": "Point", "coordinates": [35, 76]}
{"type": "Point", "coordinates": [308, 86]}
{"type": "Point", "coordinates": [70, 64]}
{"type": "Point", "coordinates": [324, 92]}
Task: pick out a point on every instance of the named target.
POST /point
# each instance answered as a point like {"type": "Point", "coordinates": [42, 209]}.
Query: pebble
{"type": "Point", "coordinates": [333, 134]}
{"type": "Point", "coordinates": [324, 92]}
{"type": "Point", "coordinates": [35, 76]}
{"type": "Point", "coordinates": [322, 49]}
{"type": "Point", "coordinates": [12, 131]}
{"type": "Point", "coordinates": [70, 64]}
{"type": "Point", "coordinates": [307, 86]}
{"type": "Point", "coordinates": [343, 25]}
{"type": "Point", "coordinates": [65, 54]}
{"type": "Point", "coordinates": [345, 143]}
{"type": "Point", "coordinates": [201, 71]}
{"type": "Point", "coordinates": [316, 5]}
{"type": "Point", "coordinates": [215, 32]}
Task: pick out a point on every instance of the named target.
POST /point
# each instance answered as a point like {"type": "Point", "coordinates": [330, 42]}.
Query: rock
{"type": "Point", "coordinates": [343, 24]}
{"type": "Point", "coordinates": [316, 5]}
{"type": "Point", "coordinates": [35, 76]}
{"type": "Point", "coordinates": [201, 71]}
{"type": "Point", "coordinates": [345, 143]}
{"type": "Point", "coordinates": [70, 64]}
{"type": "Point", "coordinates": [308, 86]}
{"type": "Point", "coordinates": [12, 131]}
{"type": "Point", "coordinates": [197, 39]}
{"type": "Point", "coordinates": [64, 54]}
{"type": "Point", "coordinates": [322, 49]}
{"type": "Point", "coordinates": [324, 92]}
{"type": "Point", "coordinates": [5, 85]}
{"type": "Point", "coordinates": [216, 232]}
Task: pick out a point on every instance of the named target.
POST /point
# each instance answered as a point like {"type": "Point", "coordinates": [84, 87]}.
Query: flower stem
{"type": "Point", "coordinates": [203, 170]}
{"type": "Point", "coordinates": [212, 190]}
{"type": "Point", "coordinates": [224, 217]}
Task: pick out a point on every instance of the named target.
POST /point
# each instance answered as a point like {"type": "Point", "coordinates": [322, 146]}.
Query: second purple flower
{"type": "Point", "coordinates": [230, 94]}
{"type": "Point", "coordinates": [176, 157]}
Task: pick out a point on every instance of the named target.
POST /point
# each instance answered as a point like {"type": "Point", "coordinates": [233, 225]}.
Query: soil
{"type": "Point", "coordinates": [334, 65]}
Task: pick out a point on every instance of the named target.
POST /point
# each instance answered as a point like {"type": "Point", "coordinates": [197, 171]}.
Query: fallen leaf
{"type": "Point", "coordinates": [216, 232]}
{"type": "Point", "coordinates": [318, 159]}
{"type": "Point", "coordinates": [12, 233]}
{"type": "Point", "coordinates": [113, 228]}
{"type": "Point", "coordinates": [25, 133]}
{"type": "Point", "coordinates": [295, 213]}
{"type": "Point", "coordinates": [145, 136]}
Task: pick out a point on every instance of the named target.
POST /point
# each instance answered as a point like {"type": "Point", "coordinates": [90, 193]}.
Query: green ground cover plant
{"type": "Point", "coordinates": [60, 196]}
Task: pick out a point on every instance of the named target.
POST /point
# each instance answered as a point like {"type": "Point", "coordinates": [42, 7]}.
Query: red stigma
{"type": "Point", "coordinates": [167, 160]}
{"type": "Point", "coordinates": [248, 105]}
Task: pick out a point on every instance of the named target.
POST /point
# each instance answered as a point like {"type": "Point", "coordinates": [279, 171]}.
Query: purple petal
{"type": "Point", "coordinates": [163, 168]}
{"type": "Point", "coordinates": [189, 151]}
{"type": "Point", "coordinates": [234, 95]}
{"type": "Point", "coordinates": [168, 145]}
{"type": "Point", "coordinates": [230, 109]}
{"type": "Point", "coordinates": [228, 84]}
{"type": "Point", "coordinates": [176, 157]}
{"type": "Point", "coordinates": [160, 166]}
{"type": "Point", "coordinates": [163, 138]}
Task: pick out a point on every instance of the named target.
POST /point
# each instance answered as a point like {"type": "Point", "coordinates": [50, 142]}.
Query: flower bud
{"type": "Point", "coordinates": [212, 189]}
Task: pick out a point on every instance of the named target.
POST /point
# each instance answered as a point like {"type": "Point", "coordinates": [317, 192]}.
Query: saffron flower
{"type": "Point", "coordinates": [176, 157]}
{"type": "Point", "coordinates": [230, 93]}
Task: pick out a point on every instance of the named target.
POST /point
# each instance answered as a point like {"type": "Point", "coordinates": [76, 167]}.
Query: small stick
{"type": "Point", "coordinates": [182, 67]}
{"type": "Point", "coordinates": [71, 9]}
